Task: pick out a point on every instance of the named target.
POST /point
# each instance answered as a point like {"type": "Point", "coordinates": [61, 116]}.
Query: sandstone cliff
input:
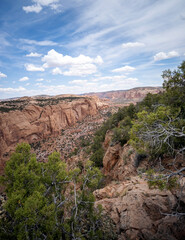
{"type": "Point", "coordinates": [35, 122]}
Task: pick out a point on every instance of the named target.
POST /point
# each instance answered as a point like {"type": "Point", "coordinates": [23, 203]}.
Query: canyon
{"type": "Point", "coordinates": [33, 120]}
{"type": "Point", "coordinates": [66, 124]}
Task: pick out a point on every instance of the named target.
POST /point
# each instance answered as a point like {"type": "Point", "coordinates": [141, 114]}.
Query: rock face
{"type": "Point", "coordinates": [118, 162]}
{"type": "Point", "coordinates": [34, 123]}
{"type": "Point", "coordinates": [140, 213]}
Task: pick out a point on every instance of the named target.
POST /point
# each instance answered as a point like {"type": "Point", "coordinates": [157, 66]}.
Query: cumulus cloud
{"type": "Point", "coordinates": [33, 68]}
{"type": "Point", "coordinates": [55, 59]}
{"type": "Point", "coordinates": [162, 55]}
{"type": "Point", "coordinates": [34, 55]}
{"type": "Point", "coordinates": [133, 44]}
{"type": "Point", "coordinates": [39, 4]}
{"type": "Point", "coordinates": [124, 69]}
{"type": "Point", "coordinates": [56, 71]}
{"type": "Point", "coordinates": [76, 70]}
{"type": "Point", "coordinates": [38, 43]}
{"type": "Point", "coordinates": [73, 66]}
{"type": "Point", "coordinates": [12, 90]}
{"type": "Point", "coordinates": [23, 79]}
{"type": "Point", "coordinates": [2, 75]}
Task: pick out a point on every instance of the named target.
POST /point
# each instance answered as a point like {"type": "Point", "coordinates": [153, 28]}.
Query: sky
{"type": "Point", "coordinates": [57, 47]}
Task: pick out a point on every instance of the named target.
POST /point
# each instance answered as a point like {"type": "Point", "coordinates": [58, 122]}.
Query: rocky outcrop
{"type": "Point", "coordinates": [118, 162]}
{"type": "Point", "coordinates": [34, 122]}
{"type": "Point", "coordinates": [141, 213]}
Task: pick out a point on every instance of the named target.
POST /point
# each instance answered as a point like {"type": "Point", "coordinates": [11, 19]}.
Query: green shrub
{"type": "Point", "coordinates": [97, 157]}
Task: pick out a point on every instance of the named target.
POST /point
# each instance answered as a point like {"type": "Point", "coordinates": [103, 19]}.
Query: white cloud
{"type": "Point", "coordinates": [34, 55]}
{"type": "Point", "coordinates": [73, 66]}
{"type": "Point", "coordinates": [56, 71]}
{"type": "Point", "coordinates": [98, 60]}
{"type": "Point", "coordinates": [33, 68]}
{"type": "Point", "coordinates": [23, 79]}
{"type": "Point", "coordinates": [40, 79]}
{"type": "Point", "coordinates": [162, 55]}
{"type": "Point", "coordinates": [5, 90]}
{"type": "Point", "coordinates": [124, 69]}
{"type": "Point", "coordinates": [55, 59]}
{"type": "Point", "coordinates": [133, 44]}
{"type": "Point", "coordinates": [77, 70]}
{"type": "Point", "coordinates": [39, 43]}
{"type": "Point", "coordinates": [2, 75]}
{"type": "Point", "coordinates": [33, 8]}
{"type": "Point", "coordinates": [39, 4]}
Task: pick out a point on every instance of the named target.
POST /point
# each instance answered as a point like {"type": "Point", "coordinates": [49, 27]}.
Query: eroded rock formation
{"type": "Point", "coordinates": [139, 212]}
{"type": "Point", "coordinates": [34, 122]}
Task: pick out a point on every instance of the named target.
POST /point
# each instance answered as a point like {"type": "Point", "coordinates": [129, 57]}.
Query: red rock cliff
{"type": "Point", "coordinates": [34, 123]}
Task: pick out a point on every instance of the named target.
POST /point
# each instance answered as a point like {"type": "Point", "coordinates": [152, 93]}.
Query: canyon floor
{"type": "Point", "coordinates": [74, 141]}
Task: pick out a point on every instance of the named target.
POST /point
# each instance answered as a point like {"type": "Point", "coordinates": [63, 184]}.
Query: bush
{"type": "Point", "coordinates": [97, 157]}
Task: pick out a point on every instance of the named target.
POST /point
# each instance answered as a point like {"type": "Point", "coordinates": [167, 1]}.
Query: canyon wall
{"type": "Point", "coordinates": [35, 123]}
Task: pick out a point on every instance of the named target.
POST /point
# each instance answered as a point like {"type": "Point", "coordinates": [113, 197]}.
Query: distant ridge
{"type": "Point", "coordinates": [126, 96]}
{"type": "Point", "coordinates": [107, 94]}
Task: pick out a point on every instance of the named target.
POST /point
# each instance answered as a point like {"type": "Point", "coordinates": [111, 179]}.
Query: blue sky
{"type": "Point", "coordinates": [76, 46]}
